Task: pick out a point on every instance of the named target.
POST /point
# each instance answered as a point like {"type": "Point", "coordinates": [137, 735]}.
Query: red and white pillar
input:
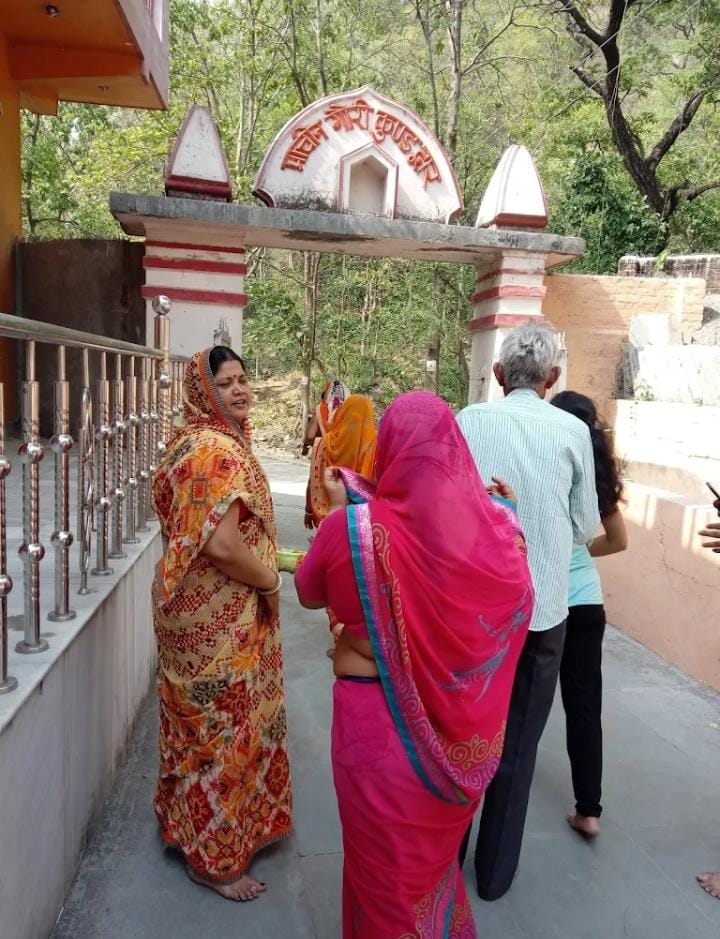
{"type": "Point", "coordinates": [508, 293]}
{"type": "Point", "coordinates": [206, 284]}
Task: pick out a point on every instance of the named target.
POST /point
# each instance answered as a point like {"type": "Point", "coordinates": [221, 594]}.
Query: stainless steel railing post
{"type": "Point", "coordinates": [176, 394]}
{"type": "Point", "coordinates": [7, 682]}
{"type": "Point", "coordinates": [62, 538]}
{"type": "Point", "coordinates": [103, 435]}
{"type": "Point", "coordinates": [86, 477]}
{"type": "Point", "coordinates": [162, 307]}
{"type": "Point", "coordinates": [154, 436]}
{"type": "Point", "coordinates": [144, 455]}
{"type": "Point", "coordinates": [132, 422]}
{"type": "Point", "coordinates": [119, 428]}
{"type": "Point", "coordinates": [31, 550]}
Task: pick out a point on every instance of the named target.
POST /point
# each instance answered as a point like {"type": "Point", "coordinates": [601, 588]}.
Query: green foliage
{"type": "Point", "coordinates": [273, 327]}
{"type": "Point", "coordinates": [375, 321]}
{"type": "Point", "coordinates": [256, 62]}
{"type": "Point", "coordinates": [602, 206]}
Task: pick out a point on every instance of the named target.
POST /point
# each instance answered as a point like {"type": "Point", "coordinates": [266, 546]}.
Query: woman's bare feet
{"type": "Point", "coordinates": [710, 882]}
{"type": "Point", "coordinates": [584, 825]}
{"type": "Point", "coordinates": [243, 889]}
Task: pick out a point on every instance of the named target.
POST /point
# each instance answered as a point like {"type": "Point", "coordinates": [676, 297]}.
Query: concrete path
{"type": "Point", "coordinates": [661, 824]}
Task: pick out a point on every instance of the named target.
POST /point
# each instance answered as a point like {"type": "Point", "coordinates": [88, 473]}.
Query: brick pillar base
{"type": "Point", "coordinates": [206, 285]}
{"type": "Point", "coordinates": [507, 293]}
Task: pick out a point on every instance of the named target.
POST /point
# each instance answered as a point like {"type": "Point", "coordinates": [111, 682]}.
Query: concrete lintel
{"type": "Point", "coordinates": [197, 221]}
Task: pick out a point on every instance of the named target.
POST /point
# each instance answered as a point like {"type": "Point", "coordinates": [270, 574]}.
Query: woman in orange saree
{"type": "Point", "coordinates": [347, 435]}
{"type": "Point", "coordinates": [223, 790]}
{"type": "Point", "coordinates": [346, 424]}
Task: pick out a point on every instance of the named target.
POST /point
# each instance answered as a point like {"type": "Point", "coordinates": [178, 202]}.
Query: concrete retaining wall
{"type": "Point", "coordinates": [60, 751]}
{"type": "Point", "coordinates": [674, 447]}
{"type": "Point", "coordinates": [665, 589]}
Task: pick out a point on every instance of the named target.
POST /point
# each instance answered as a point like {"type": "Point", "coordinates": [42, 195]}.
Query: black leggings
{"type": "Point", "coordinates": [581, 688]}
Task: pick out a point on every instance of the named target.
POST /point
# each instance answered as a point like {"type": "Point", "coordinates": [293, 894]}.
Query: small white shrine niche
{"type": "Point", "coordinates": [198, 167]}
{"type": "Point", "coordinates": [515, 197]}
{"type": "Point", "coordinates": [360, 152]}
{"type": "Point", "coordinates": [368, 182]}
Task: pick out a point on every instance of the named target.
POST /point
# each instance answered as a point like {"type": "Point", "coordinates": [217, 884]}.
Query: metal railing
{"type": "Point", "coordinates": [125, 418]}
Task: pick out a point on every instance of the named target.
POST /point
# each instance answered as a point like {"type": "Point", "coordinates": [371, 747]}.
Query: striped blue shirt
{"type": "Point", "coordinates": [545, 454]}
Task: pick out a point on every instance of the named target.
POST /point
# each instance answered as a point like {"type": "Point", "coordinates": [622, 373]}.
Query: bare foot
{"type": "Point", "coordinates": [584, 825]}
{"type": "Point", "coordinates": [710, 882]}
{"type": "Point", "coordinates": [242, 889]}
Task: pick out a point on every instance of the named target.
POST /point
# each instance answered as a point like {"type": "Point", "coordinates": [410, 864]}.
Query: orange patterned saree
{"type": "Point", "coordinates": [223, 791]}
{"type": "Point", "coordinates": [349, 441]}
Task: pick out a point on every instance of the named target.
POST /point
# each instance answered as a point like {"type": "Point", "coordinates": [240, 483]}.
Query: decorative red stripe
{"type": "Point", "coordinates": [519, 221]}
{"type": "Point", "coordinates": [519, 291]}
{"type": "Point", "coordinates": [195, 264]}
{"type": "Point", "coordinates": [195, 296]}
{"type": "Point", "coordinates": [502, 319]}
{"type": "Point", "coordinates": [194, 247]}
{"type": "Point", "coordinates": [510, 270]}
{"type": "Point", "coordinates": [207, 187]}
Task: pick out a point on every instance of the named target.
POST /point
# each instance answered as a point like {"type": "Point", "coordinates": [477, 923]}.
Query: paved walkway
{"type": "Point", "coordinates": [662, 820]}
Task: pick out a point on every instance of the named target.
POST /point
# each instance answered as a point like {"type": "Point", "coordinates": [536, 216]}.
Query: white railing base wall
{"type": "Point", "coordinates": [60, 748]}
{"type": "Point", "coordinates": [82, 656]}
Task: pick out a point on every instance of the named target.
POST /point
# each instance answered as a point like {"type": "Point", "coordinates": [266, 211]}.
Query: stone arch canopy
{"type": "Point", "coordinates": [306, 164]}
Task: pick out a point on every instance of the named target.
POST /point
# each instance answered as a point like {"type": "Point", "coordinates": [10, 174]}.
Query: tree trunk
{"type": "Point", "coordinates": [432, 363]}
{"type": "Point", "coordinates": [311, 270]}
{"type": "Point", "coordinates": [320, 51]}
{"type": "Point", "coordinates": [454, 11]}
{"type": "Point", "coordinates": [29, 212]}
{"type": "Point", "coordinates": [369, 305]}
{"type": "Point", "coordinates": [423, 17]}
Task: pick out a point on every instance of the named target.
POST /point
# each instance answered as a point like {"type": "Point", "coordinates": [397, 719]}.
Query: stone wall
{"type": "Point", "coordinates": [705, 266]}
{"type": "Point", "coordinates": [595, 313]}
{"type": "Point", "coordinates": [88, 284]}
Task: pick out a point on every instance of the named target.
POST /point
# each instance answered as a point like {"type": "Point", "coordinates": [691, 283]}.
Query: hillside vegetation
{"type": "Point", "coordinates": [616, 100]}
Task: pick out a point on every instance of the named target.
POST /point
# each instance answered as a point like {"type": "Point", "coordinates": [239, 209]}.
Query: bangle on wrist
{"type": "Point", "coordinates": [274, 589]}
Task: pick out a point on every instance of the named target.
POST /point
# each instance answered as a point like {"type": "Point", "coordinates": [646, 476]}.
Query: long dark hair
{"type": "Point", "coordinates": [220, 354]}
{"type": "Point", "coordinates": [607, 469]}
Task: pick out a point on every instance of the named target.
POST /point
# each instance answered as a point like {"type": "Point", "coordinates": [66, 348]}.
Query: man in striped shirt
{"type": "Point", "coordinates": [546, 456]}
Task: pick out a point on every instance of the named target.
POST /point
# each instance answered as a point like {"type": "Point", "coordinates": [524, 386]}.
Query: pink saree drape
{"type": "Point", "coordinates": [446, 597]}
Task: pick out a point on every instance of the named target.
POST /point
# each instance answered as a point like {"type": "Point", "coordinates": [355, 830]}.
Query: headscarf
{"type": "Point", "coordinates": [208, 465]}
{"type": "Point", "coordinates": [333, 398]}
{"type": "Point", "coordinates": [446, 593]}
{"type": "Point", "coordinates": [349, 441]}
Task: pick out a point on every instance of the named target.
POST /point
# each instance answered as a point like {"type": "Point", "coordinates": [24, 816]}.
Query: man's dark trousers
{"type": "Point", "coordinates": [503, 815]}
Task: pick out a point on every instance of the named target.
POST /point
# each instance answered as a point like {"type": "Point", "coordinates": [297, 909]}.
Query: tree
{"type": "Point", "coordinates": [615, 81]}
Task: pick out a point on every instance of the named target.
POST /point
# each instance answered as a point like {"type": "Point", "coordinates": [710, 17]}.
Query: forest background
{"type": "Point", "coordinates": [617, 101]}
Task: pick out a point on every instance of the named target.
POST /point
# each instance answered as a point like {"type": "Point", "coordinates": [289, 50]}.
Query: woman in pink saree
{"type": "Point", "coordinates": [429, 575]}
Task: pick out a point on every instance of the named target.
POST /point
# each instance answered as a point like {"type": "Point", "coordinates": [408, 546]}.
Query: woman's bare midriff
{"type": "Point", "coordinates": [354, 657]}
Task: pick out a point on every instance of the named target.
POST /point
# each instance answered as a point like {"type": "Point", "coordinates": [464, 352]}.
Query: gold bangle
{"type": "Point", "coordinates": [273, 590]}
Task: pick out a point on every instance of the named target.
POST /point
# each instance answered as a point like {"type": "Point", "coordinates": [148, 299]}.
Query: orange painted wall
{"type": "Point", "coordinates": [664, 590]}
{"type": "Point", "coordinates": [10, 211]}
{"type": "Point", "coordinates": [595, 312]}
{"type": "Point", "coordinates": [660, 591]}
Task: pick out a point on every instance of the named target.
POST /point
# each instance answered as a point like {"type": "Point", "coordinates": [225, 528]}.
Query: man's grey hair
{"type": "Point", "coordinates": [528, 355]}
